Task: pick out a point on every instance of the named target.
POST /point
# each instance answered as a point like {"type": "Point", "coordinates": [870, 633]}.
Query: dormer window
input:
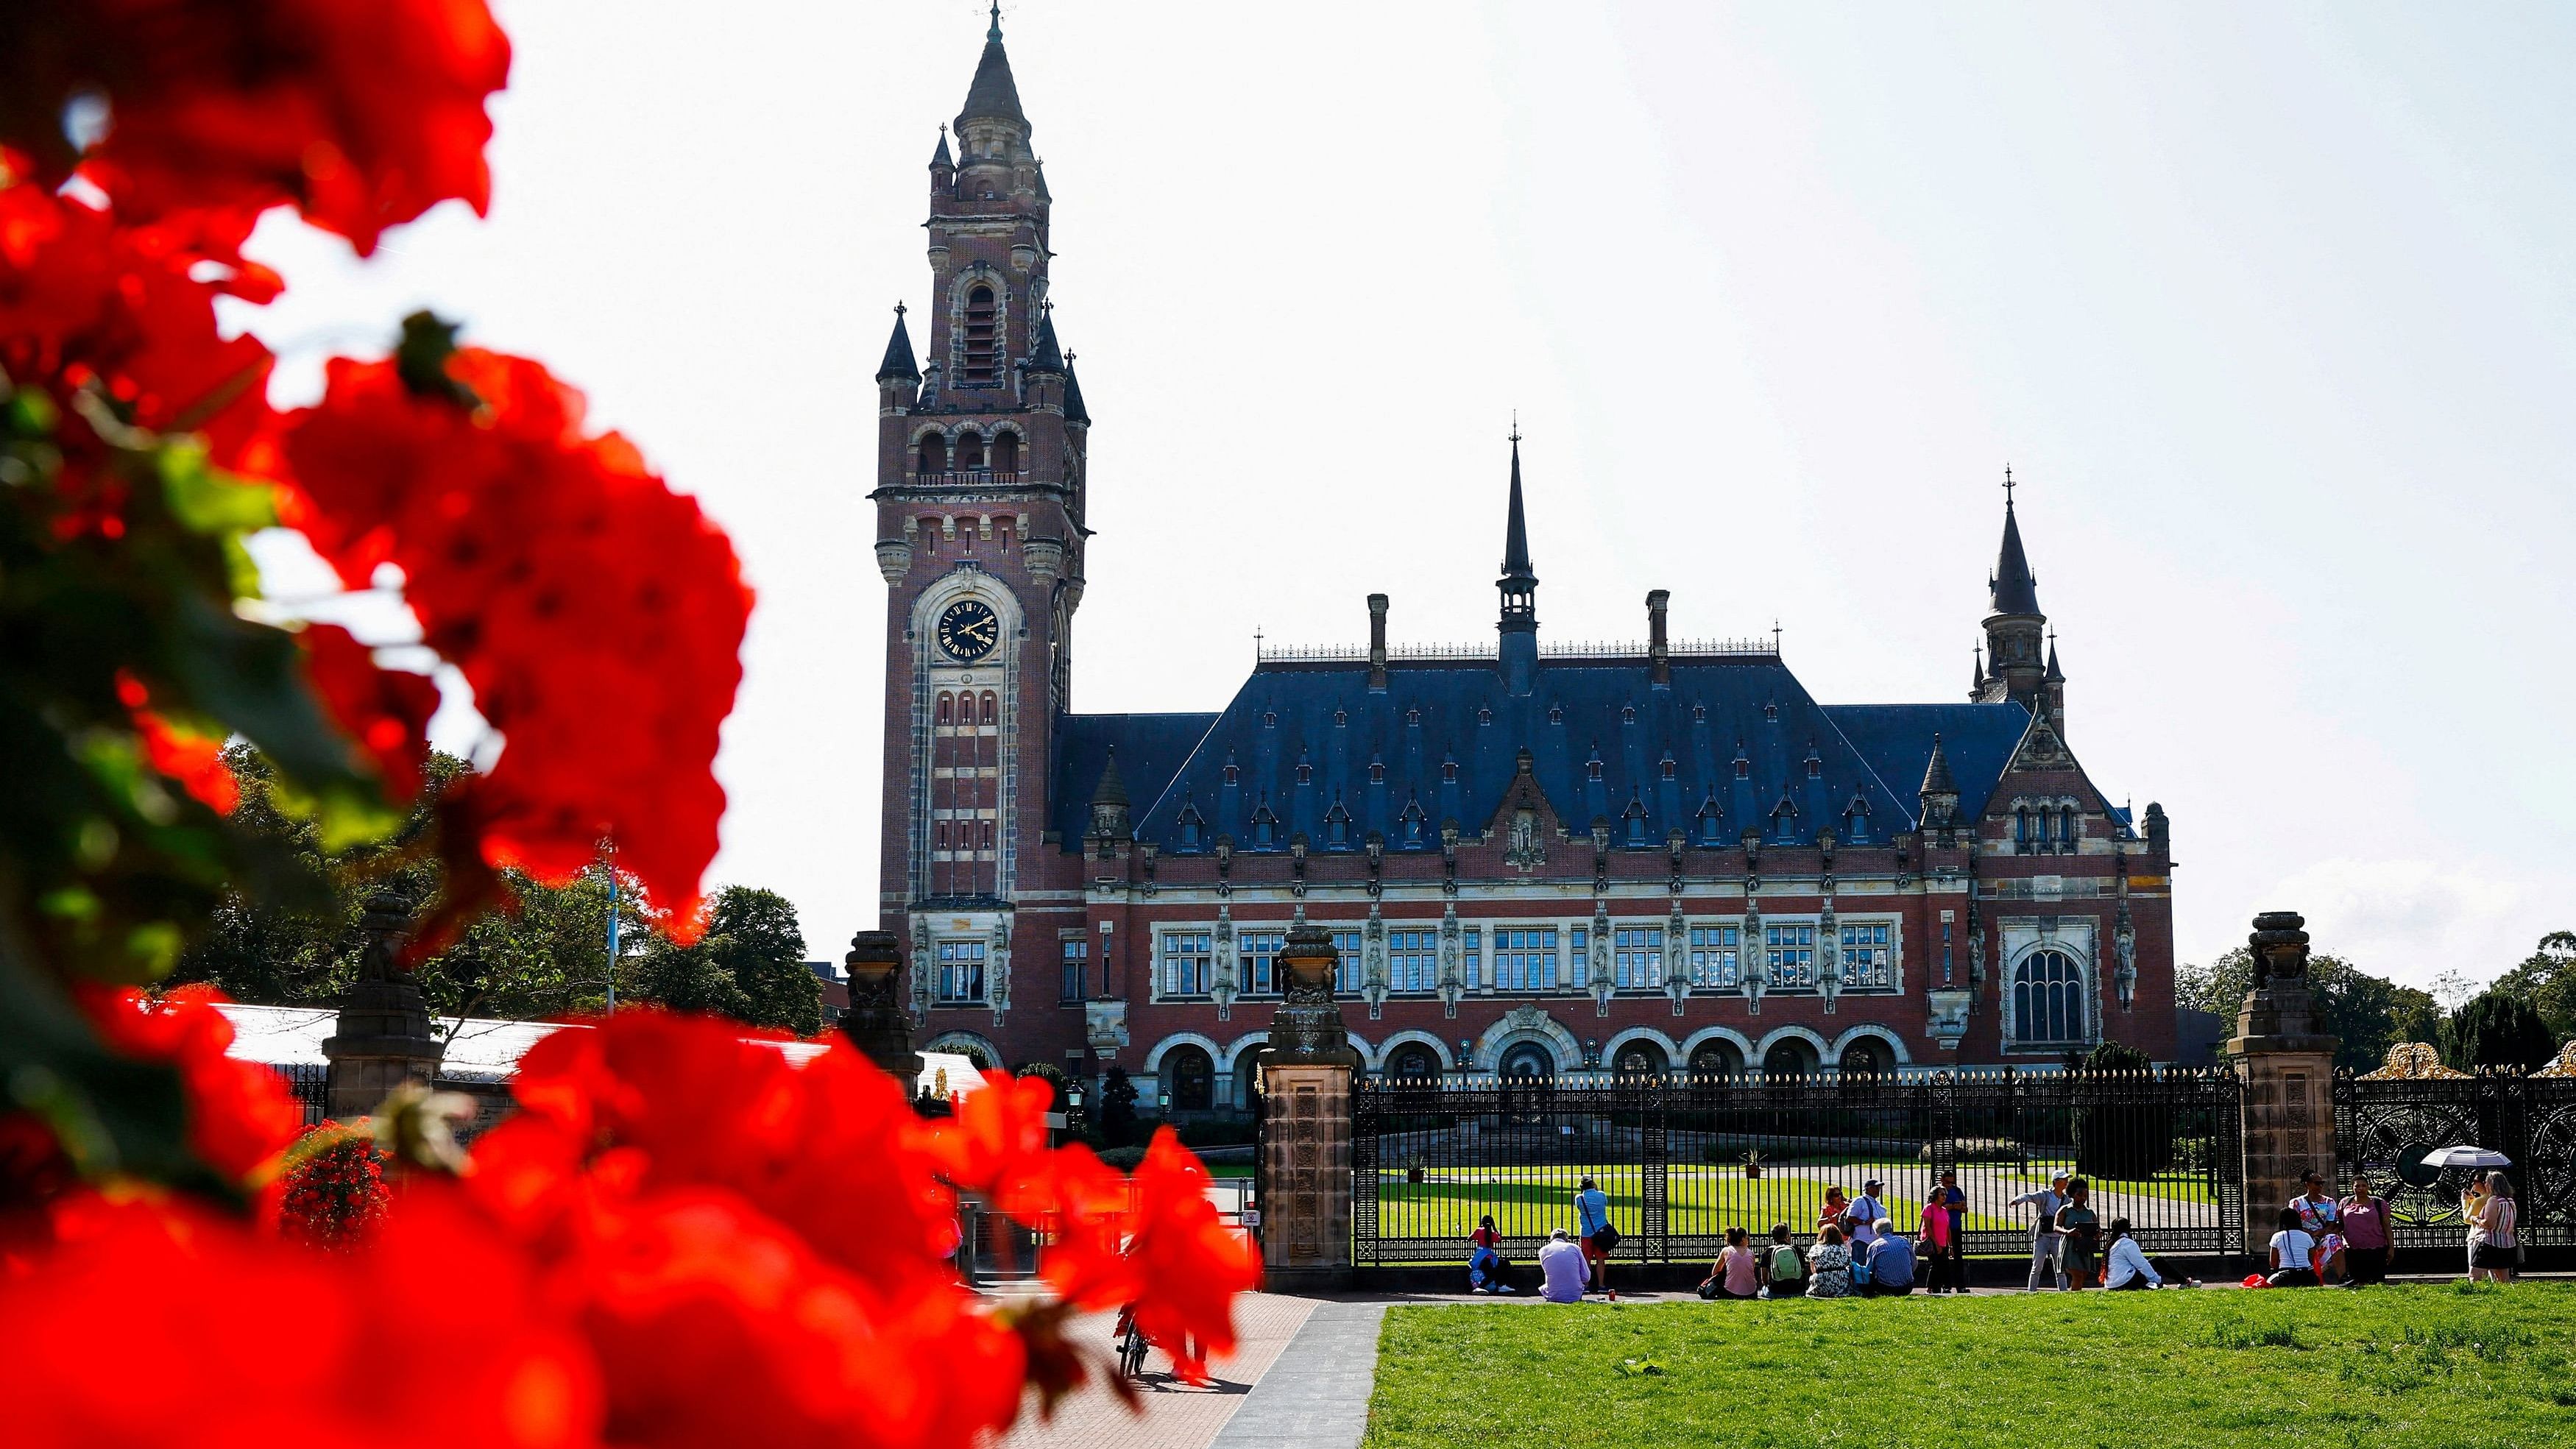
{"type": "Point", "coordinates": [1592, 769]}
{"type": "Point", "coordinates": [1449, 772]}
{"type": "Point", "coordinates": [1377, 772]}
{"type": "Point", "coordinates": [1270, 719]}
{"type": "Point", "coordinates": [1771, 714]}
{"type": "Point", "coordinates": [1413, 719]}
{"type": "Point", "coordinates": [1668, 767]}
{"type": "Point", "coordinates": [1699, 714]}
{"type": "Point", "coordinates": [1628, 714]}
{"type": "Point", "coordinates": [1412, 822]}
{"type": "Point", "coordinates": [1191, 826]}
{"type": "Point", "coordinates": [1337, 825]}
{"type": "Point", "coordinates": [1815, 768]}
{"type": "Point", "coordinates": [1341, 718]}
{"type": "Point", "coordinates": [1484, 716]}
{"type": "Point", "coordinates": [1233, 775]}
{"type": "Point", "coordinates": [1743, 766]}
{"type": "Point", "coordinates": [1305, 773]}
{"type": "Point", "coordinates": [1556, 714]}
{"type": "Point", "coordinates": [1711, 822]}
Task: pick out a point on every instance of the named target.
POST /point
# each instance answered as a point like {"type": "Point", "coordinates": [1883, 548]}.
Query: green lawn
{"type": "Point", "coordinates": [2378, 1369]}
{"type": "Point", "coordinates": [1533, 1201]}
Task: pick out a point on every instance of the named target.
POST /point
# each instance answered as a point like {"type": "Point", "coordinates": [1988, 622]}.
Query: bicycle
{"type": "Point", "coordinates": [1131, 1345]}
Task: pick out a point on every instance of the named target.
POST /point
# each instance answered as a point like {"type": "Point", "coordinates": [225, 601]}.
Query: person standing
{"type": "Point", "coordinates": [2365, 1234]}
{"type": "Point", "coordinates": [2044, 1237]}
{"type": "Point", "coordinates": [2493, 1245]}
{"type": "Point", "coordinates": [1835, 1213]}
{"type": "Point", "coordinates": [1829, 1265]}
{"type": "Point", "coordinates": [1592, 1218]}
{"type": "Point", "coordinates": [2320, 1219]}
{"type": "Point", "coordinates": [1953, 1202]}
{"type": "Point", "coordinates": [1866, 1211]}
{"type": "Point", "coordinates": [2082, 1230]}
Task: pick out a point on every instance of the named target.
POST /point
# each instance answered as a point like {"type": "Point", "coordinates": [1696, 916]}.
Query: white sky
{"type": "Point", "coordinates": [2268, 306]}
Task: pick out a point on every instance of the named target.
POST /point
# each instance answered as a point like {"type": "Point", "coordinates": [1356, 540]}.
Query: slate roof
{"type": "Point", "coordinates": [898, 355]}
{"type": "Point", "coordinates": [1150, 748]}
{"type": "Point", "coordinates": [1439, 714]}
{"type": "Point", "coordinates": [2014, 591]}
{"type": "Point", "coordinates": [994, 93]}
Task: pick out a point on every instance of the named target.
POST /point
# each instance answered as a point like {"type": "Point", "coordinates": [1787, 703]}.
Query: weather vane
{"type": "Point", "coordinates": [2008, 485]}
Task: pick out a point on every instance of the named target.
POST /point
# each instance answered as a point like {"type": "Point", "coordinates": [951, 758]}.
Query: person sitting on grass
{"type": "Point", "coordinates": [1781, 1266]}
{"type": "Point", "coordinates": [1485, 1268]}
{"type": "Point", "coordinates": [1561, 1264]}
{"type": "Point", "coordinates": [1891, 1262]}
{"type": "Point", "coordinates": [2079, 1250]}
{"type": "Point", "coordinates": [1738, 1271]}
{"type": "Point", "coordinates": [2127, 1266]}
{"type": "Point", "coordinates": [1829, 1265]}
{"type": "Point", "coordinates": [2294, 1254]}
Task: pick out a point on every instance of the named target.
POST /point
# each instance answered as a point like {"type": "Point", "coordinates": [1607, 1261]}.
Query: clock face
{"type": "Point", "coordinates": [969, 630]}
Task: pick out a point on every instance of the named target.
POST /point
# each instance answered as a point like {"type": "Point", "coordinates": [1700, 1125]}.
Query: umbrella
{"type": "Point", "coordinates": [2465, 1156]}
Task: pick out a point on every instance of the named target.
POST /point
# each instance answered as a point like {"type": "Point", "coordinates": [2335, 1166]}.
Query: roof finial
{"type": "Point", "coordinates": [1516, 427]}
{"type": "Point", "coordinates": [898, 309]}
{"type": "Point", "coordinates": [2008, 487]}
{"type": "Point", "coordinates": [1775, 634]}
{"type": "Point", "coordinates": [995, 33]}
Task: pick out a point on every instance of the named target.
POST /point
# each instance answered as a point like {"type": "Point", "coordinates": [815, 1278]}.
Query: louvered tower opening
{"type": "Point", "coordinates": [983, 354]}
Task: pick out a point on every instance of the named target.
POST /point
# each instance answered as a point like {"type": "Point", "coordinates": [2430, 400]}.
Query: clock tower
{"type": "Point", "coordinates": [979, 499]}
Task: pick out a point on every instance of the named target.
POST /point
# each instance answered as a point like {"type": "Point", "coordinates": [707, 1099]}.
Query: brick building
{"type": "Point", "coordinates": [1536, 859]}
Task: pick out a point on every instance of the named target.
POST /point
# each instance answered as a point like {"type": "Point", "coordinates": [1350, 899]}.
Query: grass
{"type": "Point", "coordinates": [2388, 1368]}
{"type": "Point", "coordinates": [1532, 1201]}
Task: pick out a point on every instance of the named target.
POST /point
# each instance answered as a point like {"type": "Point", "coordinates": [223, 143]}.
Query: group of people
{"type": "Point", "coordinates": [1857, 1250]}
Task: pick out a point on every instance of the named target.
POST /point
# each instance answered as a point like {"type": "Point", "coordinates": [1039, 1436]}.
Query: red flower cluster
{"type": "Point", "coordinates": [598, 615]}
{"type": "Point", "coordinates": [335, 1189]}
{"type": "Point", "coordinates": [681, 1240]}
{"type": "Point", "coordinates": [363, 113]}
{"type": "Point", "coordinates": [240, 1115]}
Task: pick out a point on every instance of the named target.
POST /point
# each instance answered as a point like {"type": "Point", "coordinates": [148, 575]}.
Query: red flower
{"type": "Point", "coordinates": [195, 760]}
{"type": "Point", "coordinates": [155, 1326]}
{"type": "Point", "coordinates": [1179, 1265]}
{"type": "Point", "coordinates": [83, 300]}
{"type": "Point", "coordinates": [365, 113]}
{"type": "Point", "coordinates": [240, 1115]}
{"type": "Point", "coordinates": [385, 711]}
{"type": "Point", "coordinates": [598, 615]}
{"type": "Point", "coordinates": [335, 1189]}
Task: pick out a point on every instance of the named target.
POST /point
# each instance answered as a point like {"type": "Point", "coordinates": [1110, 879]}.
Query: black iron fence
{"type": "Point", "coordinates": [311, 1084]}
{"type": "Point", "coordinates": [1682, 1159]}
{"type": "Point", "coordinates": [2386, 1128]}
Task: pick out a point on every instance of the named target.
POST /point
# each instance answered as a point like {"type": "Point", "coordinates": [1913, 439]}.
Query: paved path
{"type": "Point", "coordinates": [1317, 1395]}
{"type": "Point", "coordinates": [1176, 1415]}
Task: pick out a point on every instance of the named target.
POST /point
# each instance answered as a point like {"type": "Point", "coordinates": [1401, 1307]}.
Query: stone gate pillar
{"type": "Point", "coordinates": [875, 1022]}
{"type": "Point", "coordinates": [383, 1038]}
{"type": "Point", "coordinates": [1305, 1077]}
{"type": "Point", "coordinates": [2288, 1064]}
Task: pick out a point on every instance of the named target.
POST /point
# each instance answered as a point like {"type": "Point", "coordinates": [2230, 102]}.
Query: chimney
{"type": "Point", "coordinates": [1377, 643]}
{"type": "Point", "coordinates": [1659, 659]}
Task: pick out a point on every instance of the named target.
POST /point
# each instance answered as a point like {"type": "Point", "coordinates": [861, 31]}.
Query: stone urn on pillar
{"type": "Point", "coordinates": [1304, 1075]}
{"type": "Point", "coordinates": [2288, 1067]}
{"type": "Point", "coordinates": [875, 1022]}
{"type": "Point", "coordinates": [383, 1038]}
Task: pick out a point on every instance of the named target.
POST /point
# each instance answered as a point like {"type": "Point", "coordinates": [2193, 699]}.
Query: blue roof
{"type": "Point", "coordinates": [1150, 749]}
{"type": "Point", "coordinates": [1441, 743]}
{"type": "Point", "coordinates": [1896, 739]}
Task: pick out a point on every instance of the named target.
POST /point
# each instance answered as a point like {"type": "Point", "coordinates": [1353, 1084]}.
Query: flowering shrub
{"type": "Point", "coordinates": [335, 1188]}
{"type": "Point", "coordinates": [681, 1238]}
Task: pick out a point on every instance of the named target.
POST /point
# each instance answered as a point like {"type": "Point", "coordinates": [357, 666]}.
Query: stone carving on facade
{"type": "Point", "coordinates": [1373, 963]}
{"type": "Point", "coordinates": [1225, 987]}
{"type": "Point", "coordinates": [1522, 851]}
{"type": "Point", "coordinates": [1453, 979]}
{"type": "Point", "coordinates": [1829, 950]}
{"type": "Point", "coordinates": [1949, 1023]}
{"type": "Point", "coordinates": [1976, 955]}
{"type": "Point", "coordinates": [1603, 983]}
{"type": "Point", "coordinates": [997, 970]}
{"type": "Point", "coordinates": [2124, 948]}
{"type": "Point", "coordinates": [1677, 976]}
{"type": "Point", "coordinates": [921, 969]}
{"type": "Point", "coordinates": [1753, 972]}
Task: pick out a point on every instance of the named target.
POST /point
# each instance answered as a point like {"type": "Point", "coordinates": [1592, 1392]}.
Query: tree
{"type": "Point", "coordinates": [2498, 1029]}
{"type": "Point", "coordinates": [1117, 1108]}
{"type": "Point", "coordinates": [2368, 1013]}
{"type": "Point", "coordinates": [749, 965]}
{"type": "Point", "coordinates": [2547, 977]}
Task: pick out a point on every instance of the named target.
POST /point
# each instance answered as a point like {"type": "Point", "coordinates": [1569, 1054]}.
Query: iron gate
{"type": "Point", "coordinates": [2384, 1128]}
{"type": "Point", "coordinates": [1683, 1158]}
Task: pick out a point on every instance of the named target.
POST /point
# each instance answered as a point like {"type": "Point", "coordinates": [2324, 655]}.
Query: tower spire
{"type": "Point", "coordinates": [2011, 586]}
{"type": "Point", "coordinates": [1519, 587]}
{"type": "Point", "coordinates": [994, 32]}
{"type": "Point", "coordinates": [2013, 623]}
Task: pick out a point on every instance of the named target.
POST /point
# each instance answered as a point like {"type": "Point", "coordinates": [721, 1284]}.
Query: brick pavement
{"type": "Point", "coordinates": [1177, 1415]}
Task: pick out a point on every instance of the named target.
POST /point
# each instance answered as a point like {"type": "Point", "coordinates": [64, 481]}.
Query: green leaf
{"type": "Point", "coordinates": [208, 500]}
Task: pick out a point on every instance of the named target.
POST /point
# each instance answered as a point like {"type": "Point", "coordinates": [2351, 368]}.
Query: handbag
{"type": "Point", "coordinates": [1606, 1239]}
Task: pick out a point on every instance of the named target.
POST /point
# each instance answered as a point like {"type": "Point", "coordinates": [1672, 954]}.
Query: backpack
{"type": "Point", "coordinates": [1785, 1264]}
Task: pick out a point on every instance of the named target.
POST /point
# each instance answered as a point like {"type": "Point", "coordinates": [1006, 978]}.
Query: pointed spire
{"type": "Point", "coordinates": [1074, 412]}
{"type": "Point", "coordinates": [1937, 779]}
{"type": "Point", "coordinates": [899, 364]}
{"type": "Point", "coordinates": [1977, 676]}
{"type": "Point", "coordinates": [1111, 790]}
{"type": "Point", "coordinates": [994, 95]}
{"type": "Point", "coordinates": [942, 159]}
{"type": "Point", "coordinates": [1048, 357]}
{"type": "Point", "coordinates": [2013, 589]}
{"type": "Point", "coordinates": [1516, 554]}
{"type": "Point", "coordinates": [2054, 675]}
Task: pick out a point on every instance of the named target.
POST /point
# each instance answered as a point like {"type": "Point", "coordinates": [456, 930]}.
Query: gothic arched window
{"type": "Point", "coordinates": [934, 454]}
{"type": "Point", "coordinates": [1006, 452]}
{"type": "Point", "coordinates": [970, 451]}
{"type": "Point", "coordinates": [2048, 999]}
{"type": "Point", "coordinates": [982, 362]}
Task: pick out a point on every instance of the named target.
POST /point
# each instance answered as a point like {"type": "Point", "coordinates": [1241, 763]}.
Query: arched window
{"type": "Point", "coordinates": [1716, 1059]}
{"type": "Point", "coordinates": [1789, 1059]}
{"type": "Point", "coordinates": [934, 454]}
{"type": "Point", "coordinates": [982, 363]}
{"type": "Point", "coordinates": [1006, 452]}
{"type": "Point", "coordinates": [2021, 829]}
{"type": "Point", "coordinates": [947, 709]}
{"type": "Point", "coordinates": [2066, 829]}
{"type": "Point", "coordinates": [1639, 1059]}
{"type": "Point", "coordinates": [970, 452]}
{"type": "Point", "coordinates": [2048, 1000]}
{"type": "Point", "coordinates": [1412, 1062]}
{"type": "Point", "coordinates": [1865, 1058]}
{"type": "Point", "coordinates": [992, 707]}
